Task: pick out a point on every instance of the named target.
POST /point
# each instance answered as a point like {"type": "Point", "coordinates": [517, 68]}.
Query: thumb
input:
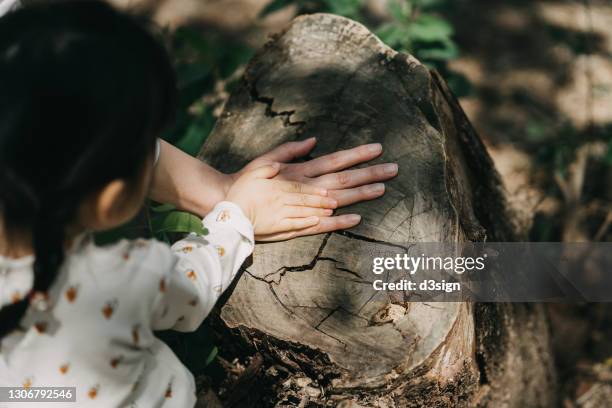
{"type": "Point", "coordinates": [266, 172]}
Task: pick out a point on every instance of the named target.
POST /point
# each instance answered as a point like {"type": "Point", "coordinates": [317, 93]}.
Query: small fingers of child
{"type": "Point", "coordinates": [296, 211]}
{"type": "Point", "coordinates": [326, 224]}
{"type": "Point", "coordinates": [297, 187]}
{"type": "Point", "coordinates": [289, 224]}
{"type": "Point", "coordinates": [310, 200]}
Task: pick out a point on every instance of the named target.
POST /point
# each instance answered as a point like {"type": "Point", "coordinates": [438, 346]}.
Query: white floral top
{"type": "Point", "coordinates": [97, 334]}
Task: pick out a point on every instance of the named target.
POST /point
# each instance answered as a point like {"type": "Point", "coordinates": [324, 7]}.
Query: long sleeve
{"type": "Point", "coordinates": [106, 302]}
{"type": "Point", "coordinates": [204, 266]}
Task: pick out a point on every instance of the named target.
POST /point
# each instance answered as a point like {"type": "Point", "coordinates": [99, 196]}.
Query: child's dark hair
{"type": "Point", "coordinates": [84, 91]}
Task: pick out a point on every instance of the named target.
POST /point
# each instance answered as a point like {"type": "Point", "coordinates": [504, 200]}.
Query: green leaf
{"type": "Point", "coordinates": [196, 133]}
{"type": "Point", "coordinates": [536, 131]}
{"type": "Point", "coordinates": [400, 10]}
{"type": "Point", "coordinates": [189, 74]}
{"type": "Point", "coordinates": [193, 38]}
{"type": "Point", "coordinates": [430, 28]}
{"type": "Point", "coordinates": [212, 355]}
{"type": "Point", "coordinates": [346, 8]}
{"type": "Point", "coordinates": [425, 4]}
{"type": "Point", "coordinates": [230, 56]}
{"type": "Point", "coordinates": [447, 51]}
{"type": "Point", "coordinates": [162, 208]}
{"type": "Point", "coordinates": [177, 221]}
{"type": "Point", "coordinates": [394, 35]}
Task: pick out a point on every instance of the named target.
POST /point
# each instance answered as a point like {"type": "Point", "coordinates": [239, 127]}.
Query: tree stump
{"type": "Point", "coordinates": [301, 303]}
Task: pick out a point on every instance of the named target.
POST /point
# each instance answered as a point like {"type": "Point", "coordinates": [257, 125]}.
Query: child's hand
{"type": "Point", "coordinates": [275, 206]}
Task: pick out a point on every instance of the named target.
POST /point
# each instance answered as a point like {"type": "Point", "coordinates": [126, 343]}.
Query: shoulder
{"type": "Point", "coordinates": [122, 279]}
{"type": "Point", "coordinates": [139, 255]}
{"type": "Point", "coordinates": [150, 253]}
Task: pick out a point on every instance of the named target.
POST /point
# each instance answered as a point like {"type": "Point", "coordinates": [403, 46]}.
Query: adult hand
{"type": "Point", "coordinates": [329, 172]}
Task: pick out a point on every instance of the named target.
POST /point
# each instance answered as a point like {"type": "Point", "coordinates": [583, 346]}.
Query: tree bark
{"type": "Point", "coordinates": [301, 303]}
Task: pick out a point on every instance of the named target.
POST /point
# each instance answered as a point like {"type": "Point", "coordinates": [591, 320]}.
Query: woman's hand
{"type": "Point", "coordinates": [192, 185]}
{"type": "Point", "coordinates": [346, 186]}
{"type": "Point", "coordinates": [277, 206]}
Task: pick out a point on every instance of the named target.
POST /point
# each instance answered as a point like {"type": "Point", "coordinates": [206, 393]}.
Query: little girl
{"type": "Point", "coordinates": [84, 93]}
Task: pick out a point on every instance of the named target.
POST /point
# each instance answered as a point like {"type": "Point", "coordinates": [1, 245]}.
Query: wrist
{"type": "Point", "coordinates": [201, 195]}
{"type": "Point", "coordinates": [188, 183]}
{"type": "Point", "coordinates": [213, 190]}
{"type": "Point", "coordinates": [227, 181]}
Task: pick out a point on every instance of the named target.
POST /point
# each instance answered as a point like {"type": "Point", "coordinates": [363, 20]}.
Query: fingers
{"type": "Point", "coordinates": [297, 211]}
{"type": "Point", "coordinates": [289, 224]}
{"type": "Point", "coordinates": [267, 171]}
{"type": "Point", "coordinates": [275, 237]}
{"type": "Point", "coordinates": [358, 177]}
{"type": "Point", "coordinates": [301, 188]}
{"type": "Point", "coordinates": [289, 151]}
{"type": "Point", "coordinates": [341, 160]}
{"type": "Point", "coordinates": [310, 200]}
{"type": "Point", "coordinates": [325, 224]}
{"type": "Point", "coordinates": [329, 224]}
{"type": "Point", "coordinates": [354, 195]}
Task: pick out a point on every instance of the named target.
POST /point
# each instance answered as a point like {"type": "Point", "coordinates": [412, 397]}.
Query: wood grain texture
{"type": "Point", "coordinates": [307, 304]}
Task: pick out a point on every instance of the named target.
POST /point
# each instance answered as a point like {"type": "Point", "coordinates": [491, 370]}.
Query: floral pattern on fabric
{"type": "Point", "coordinates": [97, 333]}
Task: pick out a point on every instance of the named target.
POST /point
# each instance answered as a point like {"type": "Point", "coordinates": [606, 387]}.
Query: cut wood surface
{"type": "Point", "coordinates": [307, 304]}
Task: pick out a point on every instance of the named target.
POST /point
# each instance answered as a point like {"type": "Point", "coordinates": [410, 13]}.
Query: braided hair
{"type": "Point", "coordinates": [84, 92]}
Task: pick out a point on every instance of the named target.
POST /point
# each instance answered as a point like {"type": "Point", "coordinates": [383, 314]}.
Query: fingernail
{"type": "Point", "coordinates": [323, 192]}
{"type": "Point", "coordinates": [376, 188]}
{"type": "Point", "coordinates": [332, 203]}
{"type": "Point", "coordinates": [275, 165]}
{"type": "Point", "coordinates": [328, 212]}
{"type": "Point", "coordinates": [354, 218]}
{"type": "Point", "coordinates": [390, 168]}
{"type": "Point", "coordinates": [310, 138]}
{"type": "Point", "coordinates": [375, 148]}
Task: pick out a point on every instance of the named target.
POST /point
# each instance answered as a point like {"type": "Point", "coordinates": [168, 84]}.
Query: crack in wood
{"type": "Point", "coordinates": [359, 237]}
{"type": "Point", "coordinates": [291, 312]}
{"type": "Point", "coordinates": [347, 270]}
{"type": "Point", "coordinates": [300, 268]}
{"type": "Point", "coordinates": [268, 101]}
{"type": "Point", "coordinates": [331, 312]}
{"type": "Point", "coordinates": [340, 308]}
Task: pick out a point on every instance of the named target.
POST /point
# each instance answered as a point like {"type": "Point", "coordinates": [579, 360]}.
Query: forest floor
{"type": "Point", "coordinates": [542, 78]}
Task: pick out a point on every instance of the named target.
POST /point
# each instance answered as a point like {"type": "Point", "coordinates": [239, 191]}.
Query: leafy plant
{"type": "Point", "coordinates": [415, 26]}
{"type": "Point", "coordinates": [172, 221]}
{"type": "Point", "coordinates": [201, 63]}
{"type": "Point", "coordinates": [347, 8]}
